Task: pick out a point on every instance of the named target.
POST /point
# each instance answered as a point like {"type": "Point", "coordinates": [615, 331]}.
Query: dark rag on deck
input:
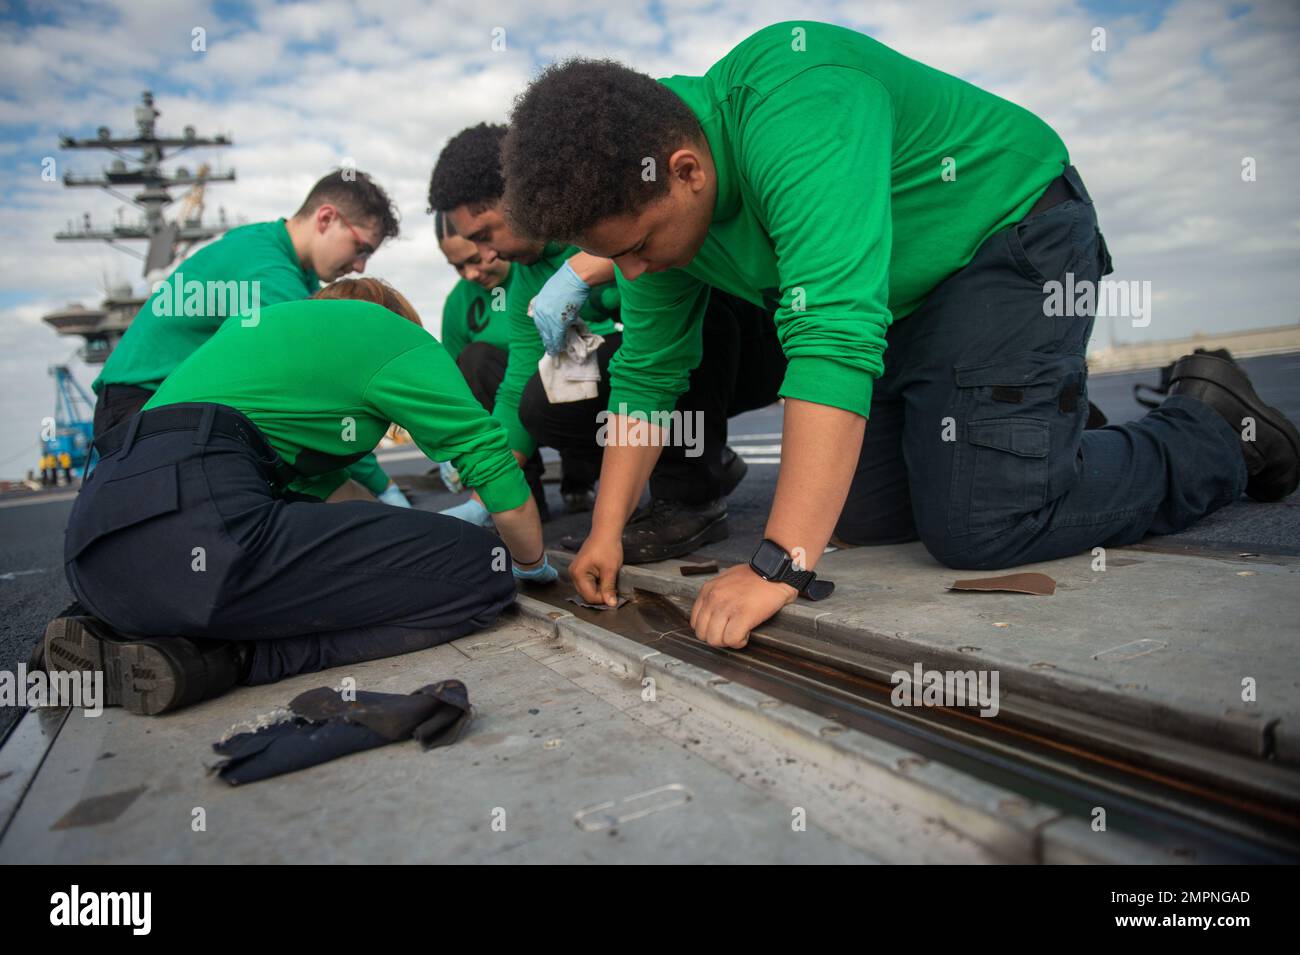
{"type": "Point", "coordinates": [325, 726]}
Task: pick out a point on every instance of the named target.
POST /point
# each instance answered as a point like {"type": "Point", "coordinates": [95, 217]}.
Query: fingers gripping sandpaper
{"type": "Point", "coordinates": [324, 726]}
{"type": "Point", "coordinates": [575, 599]}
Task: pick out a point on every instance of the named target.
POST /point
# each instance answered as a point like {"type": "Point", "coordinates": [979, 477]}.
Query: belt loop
{"type": "Point", "coordinates": [131, 430]}
{"type": "Point", "coordinates": [204, 431]}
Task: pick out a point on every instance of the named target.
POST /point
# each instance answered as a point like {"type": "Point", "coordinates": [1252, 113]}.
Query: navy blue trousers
{"type": "Point", "coordinates": [975, 442]}
{"type": "Point", "coordinates": [181, 533]}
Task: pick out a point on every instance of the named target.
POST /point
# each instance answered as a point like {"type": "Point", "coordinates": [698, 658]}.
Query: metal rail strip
{"type": "Point", "coordinates": [1028, 748]}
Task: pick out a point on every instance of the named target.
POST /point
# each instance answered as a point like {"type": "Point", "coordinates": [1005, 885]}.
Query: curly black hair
{"type": "Point", "coordinates": [468, 171]}
{"type": "Point", "coordinates": [360, 197]}
{"type": "Point", "coordinates": [579, 137]}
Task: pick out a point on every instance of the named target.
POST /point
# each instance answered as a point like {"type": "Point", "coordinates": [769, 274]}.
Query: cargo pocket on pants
{"type": "Point", "coordinates": [113, 506]}
{"type": "Point", "coordinates": [1008, 470]}
{"type": "Point", "coordinates": [1018, 447]}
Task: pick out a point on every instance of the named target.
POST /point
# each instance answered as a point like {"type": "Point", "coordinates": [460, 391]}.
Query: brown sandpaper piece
{"type": "Point", "coordinates": [575, 599]}
{"type": "Point", "coordinates": [1039, 585]}
{"type": "Point", "coordinates": [690, 570]}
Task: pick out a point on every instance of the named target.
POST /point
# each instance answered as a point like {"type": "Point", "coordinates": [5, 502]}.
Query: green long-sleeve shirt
{"type": "Point", "coordinates": [323, 380]}
{"type": "Point", "coordinates": [165, 332]}
{"type": "Point", "coordinates": [851, 181]}
{"type": "Point", "coordinates": [475, 314]}
{"type": "Point", "coordinates": [213, 284]}
{"type": "Point", "coordinates": [526, 348]}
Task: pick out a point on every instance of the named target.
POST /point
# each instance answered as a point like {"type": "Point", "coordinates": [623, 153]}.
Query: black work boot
{"type": "Point", "coordinates": [146, 675]}
{"type": "Point", "coordinates": [669, 529]}
{"type": "Point", "coordinates": [578, 500]}
{"type": "Point", "coordinates": [36, 659]}
{"type": "Point", "coordinates": [734, 470]}
{"type": "Point", "coordinates": [1166, 379]}
{"type": "Point", "coordinates": [1273, 457]}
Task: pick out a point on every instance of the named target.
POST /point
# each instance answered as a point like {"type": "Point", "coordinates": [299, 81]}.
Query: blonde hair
{"type": "Point", "coordinates": [371, 290]}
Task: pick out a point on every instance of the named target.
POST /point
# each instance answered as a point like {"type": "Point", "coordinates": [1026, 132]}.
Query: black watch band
{"type": "Point", "coordinates": [772, 562]}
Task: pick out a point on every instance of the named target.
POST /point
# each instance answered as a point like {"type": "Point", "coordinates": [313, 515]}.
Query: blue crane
{"type": "Point", "coordinates": [73, 419]}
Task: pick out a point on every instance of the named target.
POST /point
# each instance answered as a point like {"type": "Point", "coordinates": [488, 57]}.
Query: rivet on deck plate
{"type": "Point", "coordinates": [1012, 806]}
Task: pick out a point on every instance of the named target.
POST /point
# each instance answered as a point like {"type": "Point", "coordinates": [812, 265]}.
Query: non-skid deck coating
{"type": "Point", "coordinates": [565, 762]}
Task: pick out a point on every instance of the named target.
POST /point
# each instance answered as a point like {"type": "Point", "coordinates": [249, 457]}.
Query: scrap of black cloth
{"type": "Point", "coordinates": [325, 726]}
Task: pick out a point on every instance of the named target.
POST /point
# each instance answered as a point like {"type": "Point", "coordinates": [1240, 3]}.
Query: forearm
{"type": "Point", "coordinates": [624, 471]}
{"type": "Point", "coordinates": [819, 454]}
{"type": "Point", "coordinates": [591, 269]}
{"type": "Point", "coordinates": [521, 530]}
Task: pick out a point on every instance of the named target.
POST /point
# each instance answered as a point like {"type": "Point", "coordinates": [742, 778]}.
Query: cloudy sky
{"type": "Point", "coordinates": [1158, 123]}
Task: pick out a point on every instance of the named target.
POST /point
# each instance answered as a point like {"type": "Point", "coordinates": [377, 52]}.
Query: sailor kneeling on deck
{"type": "Point", "coordinates": [201, 547]}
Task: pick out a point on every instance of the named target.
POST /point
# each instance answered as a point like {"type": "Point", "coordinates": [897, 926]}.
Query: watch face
{"type": "Point", "coordinates": [769, 559]}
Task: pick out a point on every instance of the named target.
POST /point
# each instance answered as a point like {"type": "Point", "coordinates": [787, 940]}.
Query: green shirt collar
{"type": "Point", "coordinates": [286, 243]}
{"type": "Point", "coordinates": [557, 253]}
{"type": "Point", "coordinates": [694, 90]}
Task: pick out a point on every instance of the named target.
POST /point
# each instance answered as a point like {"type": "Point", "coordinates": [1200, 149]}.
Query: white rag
{"type": "Point", "coordinates": [573, 374]}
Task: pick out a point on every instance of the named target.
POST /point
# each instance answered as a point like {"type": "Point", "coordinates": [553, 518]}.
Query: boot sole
{"type": "Point", "coordinates": [710, 534]}
{"type": "Point", "coordinates": [1229, 376]}
{"type": "Point", "coordinates": [137, 676]}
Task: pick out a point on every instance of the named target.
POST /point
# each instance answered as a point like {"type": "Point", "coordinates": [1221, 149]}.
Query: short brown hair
{"type": "Point", "coordinates": [371, 290]}
{"type": "Point", "coordinates": [360, 197]}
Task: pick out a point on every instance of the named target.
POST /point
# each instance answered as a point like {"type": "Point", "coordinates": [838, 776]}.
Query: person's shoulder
{"type": "Point", "coordinates": [237, 242]}
{"type": "Point", "coordinates": [769, 57]}
{"type": "Point", "coordinates": [464, 288]}
{"type": "Point", "coordinates": [371, 316]}
{"type": "Point", "coordinates": [254, 232]}
{"type": "Point", "coordinates": [534, 275]}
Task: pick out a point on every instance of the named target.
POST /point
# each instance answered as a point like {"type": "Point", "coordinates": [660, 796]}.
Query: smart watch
{"type": "Point", "coordinates": [772, 562]}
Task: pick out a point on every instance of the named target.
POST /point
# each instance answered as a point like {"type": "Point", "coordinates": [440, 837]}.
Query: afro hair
{"type": "Point", "coordinates": [468, 172]}
{"type": "Point", "coordinates": [580, 139]}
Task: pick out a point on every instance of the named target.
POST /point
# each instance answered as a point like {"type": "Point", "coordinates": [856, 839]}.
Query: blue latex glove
{"type": "Point", "coordinates": [557, 305]}
{"type": "Point", "coordinates": [543, 573]}
{"type": "Point", "coordinates": [393, 495]}
{"type": "Point", "coordinates": [450, 477]}
{"type": "Point", "coordinates": [472, 512]}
